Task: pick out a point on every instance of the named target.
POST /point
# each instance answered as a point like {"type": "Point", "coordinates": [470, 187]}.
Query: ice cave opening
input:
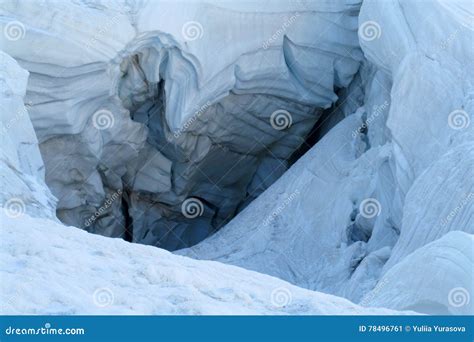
{"type": "Point", "coordinates": [221, 158]}
{"type": "Point", "coordinates": [136, 132]}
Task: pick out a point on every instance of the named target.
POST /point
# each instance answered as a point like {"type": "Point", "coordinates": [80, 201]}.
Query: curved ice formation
{"type": "Point", "coordinates": [164, 124]}
{"type": "Point", "coordinates": [160, 108]}
{"type": "Point", "coordinates": [401, 180]}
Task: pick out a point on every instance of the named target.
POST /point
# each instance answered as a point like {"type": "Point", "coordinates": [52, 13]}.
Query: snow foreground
{"type": "Point", "coordinates": [48, 268]}
{"type": "Point", "coordinates": [362, 188]}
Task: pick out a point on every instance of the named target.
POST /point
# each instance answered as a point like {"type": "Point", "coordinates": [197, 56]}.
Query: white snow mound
{"type": "Point", "coordinates": [49, 268]}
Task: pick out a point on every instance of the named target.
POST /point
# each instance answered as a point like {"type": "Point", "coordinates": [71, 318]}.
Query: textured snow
{"type": "Point", "coordinates": [414, 164]}
{"type": "Point", "coordinates": [125, 278]}
{"type": "Point", "coordinates": [137, 107]}
{"type": "Point", "coordinates": [171, 106]}
{"type": "Point", "coordinates": [435, 279]}
{"type": "Point", "coordinates": [21, 167]}
{"type": "Point", "coordinates": [289, 231]}
{"type": "Point", "coordinates": [447, 188]}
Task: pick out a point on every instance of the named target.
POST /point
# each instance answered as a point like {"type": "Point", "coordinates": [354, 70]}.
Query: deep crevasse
{"type": "Point", "coordinates": [378, 194]}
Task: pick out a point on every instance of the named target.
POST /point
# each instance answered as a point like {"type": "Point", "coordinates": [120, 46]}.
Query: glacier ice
{"type": "Point", "coordinates": [417, 182]}
{"type": "Point", "coordinates": [22, 170]}
{"type": "Point", "coordinates": [166, 109]}
{"type": "Point", "coordinates": [434, 279]}
{"type": "Point", "coordinates": [117, 114]}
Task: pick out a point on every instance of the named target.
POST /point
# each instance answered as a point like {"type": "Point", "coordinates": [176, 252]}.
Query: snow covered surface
{"type": "Point", "coordinates": [148, 106]}
{"type": "Point", "coordinates": [90, 274]}
{"type": "Point", "coordinates": [21, 167]}
{"type": "Point", "coordinates": [289, 231]}
{"type": "Point", "coordinates": [367, 200]}
{"type": "Point", "coordinates": [435, 279]}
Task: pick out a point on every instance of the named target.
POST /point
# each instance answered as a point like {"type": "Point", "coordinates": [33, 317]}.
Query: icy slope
{"type": "Point", "coordinates": [49, 268]}
{"type": "Point", "coordinates": [306, 228]}
{"type": "Point", "coordinates": [447, 189]}
{"type": "Point", "coordinates": [165, 101]}
{"type": "Point", "coordinates": [435, 279]}
{"type": "Point", "coordinates": [21, 168]}
{"type": "Point", "coordinates": [389, 179]}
